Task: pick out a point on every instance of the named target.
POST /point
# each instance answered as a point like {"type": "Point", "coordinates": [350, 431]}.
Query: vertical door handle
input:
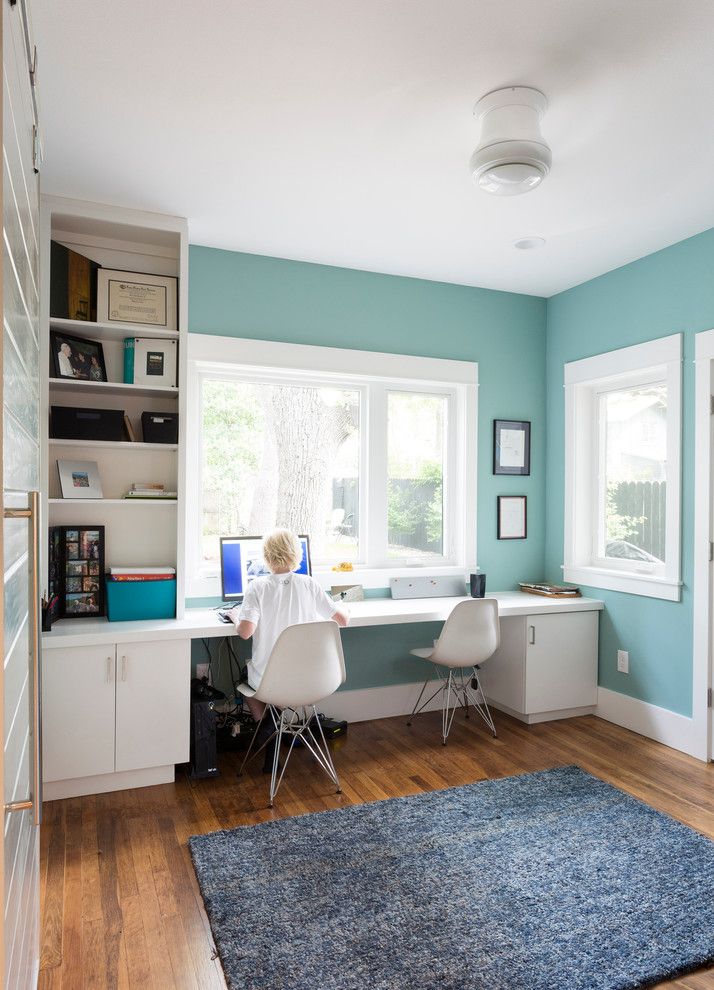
{"type": "Point", "coordinates": [531, 634]}
{"type": "Point", "coordinates": [32, 514]}
{"type": "Point", "coordinates": [109, 669]}
{"type": "Point", "coordinates": [123, 668]}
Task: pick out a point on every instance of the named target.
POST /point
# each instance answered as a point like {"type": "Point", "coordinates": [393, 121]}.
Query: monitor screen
{"type": "Point", "coordinates": [242, 562]}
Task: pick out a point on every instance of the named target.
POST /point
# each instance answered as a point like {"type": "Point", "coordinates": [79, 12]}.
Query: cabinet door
{"type": "Point", "coordinates": [561, 661]}
{"type": "Point", "coordinates": [78, 694]}
{"type": "Point", "coordinates": [503, 676]}
{"type": "Point", "coordinates": [153, 704]}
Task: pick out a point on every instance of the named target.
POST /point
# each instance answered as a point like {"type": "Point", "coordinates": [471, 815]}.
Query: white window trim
{"type": "Point", "coordinates": [211, 354]}
{"type": "Point", "coordinates": [657, 359]}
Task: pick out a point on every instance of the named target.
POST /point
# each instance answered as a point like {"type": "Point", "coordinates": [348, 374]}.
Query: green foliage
{"type": "Point", "coordinates": [619, 527]}
{"type": "Point", "coordinates": [231, 417]}
{"type": "Point", "coordinates": [408, 508]}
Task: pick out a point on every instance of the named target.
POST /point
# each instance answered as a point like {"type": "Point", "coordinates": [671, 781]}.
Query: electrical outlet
{"type": "Point", "coordinates": [623, 661]}
{"type": "Point", "coordinates": [202, 670]}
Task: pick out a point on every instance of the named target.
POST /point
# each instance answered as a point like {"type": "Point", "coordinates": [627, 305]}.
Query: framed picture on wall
{"type": "Point", "coordinates": [511, 446]}
{"type": "Point", "coordinates": [512, 517]}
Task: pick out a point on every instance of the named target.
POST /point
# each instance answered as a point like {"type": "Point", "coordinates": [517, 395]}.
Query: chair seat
{"type": "Point", "coordinates": [423, 652]}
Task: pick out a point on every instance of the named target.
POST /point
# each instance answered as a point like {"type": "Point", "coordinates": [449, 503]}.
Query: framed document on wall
{"type": "Point", "coordinates": [130, 297]}
{"type": "Point", "coordinates": [511, 446]}
{"type": "Point", "coordinates": [512, 521]}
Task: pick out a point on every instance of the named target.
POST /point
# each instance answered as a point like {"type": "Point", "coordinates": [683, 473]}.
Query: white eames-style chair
{"type": "Point", "coordinates": [471, 634]}
{"type": "Point", "coordinates": [305, 666]}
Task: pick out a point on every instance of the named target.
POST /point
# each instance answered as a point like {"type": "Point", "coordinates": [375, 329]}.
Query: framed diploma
{"type": "Point", "coordinates": [511, 446]}
{"type": "Point", "coordinates": [130, 297]}
{"type": "Point", "coordinates": [512, 524]}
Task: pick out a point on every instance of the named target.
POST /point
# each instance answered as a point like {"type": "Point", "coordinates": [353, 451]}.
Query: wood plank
{"type": "Point", "coordinates": [147, 884]}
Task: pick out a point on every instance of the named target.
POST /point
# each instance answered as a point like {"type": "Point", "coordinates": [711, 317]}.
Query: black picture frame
{"type": "Point", "coordinates": [85, 358]}
{"type": "Point", "coordinates": [503, 531]}
{"type": "Point", "coordinates": [77, 572]}
{"type": "Point", "coordinates": [505, 459]}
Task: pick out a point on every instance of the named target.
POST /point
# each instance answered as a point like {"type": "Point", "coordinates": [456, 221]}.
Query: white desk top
{"type": "Point", "coordinates": [202, 623]}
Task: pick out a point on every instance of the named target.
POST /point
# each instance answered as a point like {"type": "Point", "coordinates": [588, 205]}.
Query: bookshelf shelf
{"type": "Point", "coordinates": [111, 388]}
{"type": "Point", "coordinates": [108, 331]}
{"type": "Point", "coordinates": [153, 502]}
{"type": "Point", "coordinates": [135, 447]}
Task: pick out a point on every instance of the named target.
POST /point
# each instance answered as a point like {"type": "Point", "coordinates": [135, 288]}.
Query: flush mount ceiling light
{"type": "Point", "coordinates": [512, 157]}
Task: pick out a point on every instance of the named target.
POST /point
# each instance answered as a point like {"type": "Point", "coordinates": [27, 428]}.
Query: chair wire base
{"type": "Point", "coordinates": [293, 723]}
{"type": "Point", "coordinates": [460, 686]}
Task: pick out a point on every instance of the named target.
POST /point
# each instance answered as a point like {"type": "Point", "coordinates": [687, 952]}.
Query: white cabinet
{"type": "Point", "coordinates": [153, 704]}
{"type": "Point", "coordinates": [545, 667]}
{"type": "Point", "coordinates": [114, 708]}
{"type": "Point", "coordinates": [78, 712]}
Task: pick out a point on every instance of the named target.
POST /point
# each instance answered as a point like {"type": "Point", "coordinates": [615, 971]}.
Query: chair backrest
{"type": "Point", "coordinates": [305, 665]}
{"type": "Point", "coordinates": [470, 634]}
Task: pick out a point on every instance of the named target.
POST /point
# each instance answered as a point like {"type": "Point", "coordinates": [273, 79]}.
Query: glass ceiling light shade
{"type": "Point", "coordinates": [512, 157]}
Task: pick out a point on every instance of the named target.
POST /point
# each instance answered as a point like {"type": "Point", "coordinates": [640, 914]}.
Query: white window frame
{"type": "Point", "coordinates": [223, 357]}
{"type": "Point", "coordinates": [585, 382]}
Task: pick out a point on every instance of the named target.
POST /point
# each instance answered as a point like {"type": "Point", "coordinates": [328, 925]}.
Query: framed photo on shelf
{"type": "Point", "coordinates": [131, 297]}
{"type": "Point", "coordinates": [79, 479]}
{"type": "Point", "coordinates": [511, 446]}
{"type": "Point", "coordinates": [77, 571]}
{"type": "Point", "coordinates": [512, 517]}
{"type": "Point", "coordinates": [155, 361]}
{"type": "Point", "coordinates": [76, 358]}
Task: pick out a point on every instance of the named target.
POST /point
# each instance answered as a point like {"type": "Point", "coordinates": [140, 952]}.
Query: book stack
{"type": "Point", "coordinates": [550, 590]}
{"type": "Point", "coordinates": [149, 489]}
{"type": "Point", "coordinates": [164, 573]}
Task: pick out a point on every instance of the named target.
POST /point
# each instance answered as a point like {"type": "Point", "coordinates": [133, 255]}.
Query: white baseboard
{"type": "Point", "coordinates": [102, 783]}
{"type": "Point", "coordinates": [648, 720]}
{"type": "Point", "coordinates": [364, 704]}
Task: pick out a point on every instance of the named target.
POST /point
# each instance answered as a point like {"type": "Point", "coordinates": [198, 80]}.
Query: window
{"type": "Point", "coordinates": [364, 452]}
{"type": "Point", "coordinates": [280, 454]}
{"type": "Point", "coordinates": [622, 469]}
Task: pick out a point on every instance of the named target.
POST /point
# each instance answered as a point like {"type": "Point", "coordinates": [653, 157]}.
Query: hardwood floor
{"type": "Point", "coordinates": [120, 902]}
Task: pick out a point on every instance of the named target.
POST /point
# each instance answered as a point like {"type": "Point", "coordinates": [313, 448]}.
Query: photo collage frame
{"type": "Point", "coordinates": [77, 571]}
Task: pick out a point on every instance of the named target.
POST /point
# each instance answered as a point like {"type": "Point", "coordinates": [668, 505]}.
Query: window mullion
{"type": "Point", "coordinates": [376, 471]}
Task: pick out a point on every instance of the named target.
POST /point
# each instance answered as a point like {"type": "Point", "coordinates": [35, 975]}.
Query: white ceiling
{"type": "Point", "coordinates": [339, 131]}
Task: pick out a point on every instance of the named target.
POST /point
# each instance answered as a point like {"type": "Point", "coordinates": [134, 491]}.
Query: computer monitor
{"type": "Point", "coordinates": [242, 562]}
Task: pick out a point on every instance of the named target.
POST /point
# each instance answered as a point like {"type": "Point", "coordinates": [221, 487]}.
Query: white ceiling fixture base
{"type": "Point", "coordinates": [512, 157]}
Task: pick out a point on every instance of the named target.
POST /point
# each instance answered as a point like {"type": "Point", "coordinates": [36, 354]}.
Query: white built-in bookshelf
{"type": "Point", "coordinates": [144, 532]}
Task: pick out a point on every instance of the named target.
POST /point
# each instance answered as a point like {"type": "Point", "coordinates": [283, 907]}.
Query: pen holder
{"type": "Point", "coordinates": [46, 619]}
{"type": "Point", "coordinates": [477, 585]}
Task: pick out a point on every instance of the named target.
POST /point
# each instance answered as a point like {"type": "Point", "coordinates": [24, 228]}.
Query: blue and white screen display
{"type": "Point", "coordinates": [242, 562]}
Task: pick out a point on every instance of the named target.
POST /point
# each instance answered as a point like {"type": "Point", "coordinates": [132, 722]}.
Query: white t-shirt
{"type": "Point", "coordinates": [275, 602]}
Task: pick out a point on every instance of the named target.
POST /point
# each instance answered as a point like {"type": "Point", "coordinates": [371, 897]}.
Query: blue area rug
{"type": "Point", "coordinates": [548, 881]}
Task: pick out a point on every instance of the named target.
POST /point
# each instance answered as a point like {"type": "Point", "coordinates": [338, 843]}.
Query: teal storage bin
{"type": "Point", "coordinates": [141, 600]}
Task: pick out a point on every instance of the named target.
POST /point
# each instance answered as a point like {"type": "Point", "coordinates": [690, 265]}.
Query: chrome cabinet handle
{"type": "Point", "coordinates": [531, 634]}
{"type": "Point", "coordinates": [109, 669]}
{"type": "Point", "coordinates": [123, 668]}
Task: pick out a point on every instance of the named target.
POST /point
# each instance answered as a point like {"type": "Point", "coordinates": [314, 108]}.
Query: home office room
{"type": "Point", "coordinates": [358, 370]}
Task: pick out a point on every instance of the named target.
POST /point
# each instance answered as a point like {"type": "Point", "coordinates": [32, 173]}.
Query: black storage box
{"type": "Point", "coordinates": [72, 423]}
{"type": "Point", "coordinates": [159, 427]}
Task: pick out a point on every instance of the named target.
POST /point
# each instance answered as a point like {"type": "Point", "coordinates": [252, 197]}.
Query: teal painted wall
{"type": "Point", "coordinates": [668, 292]}
{"type": "Point", "coordinates": [251, 296]}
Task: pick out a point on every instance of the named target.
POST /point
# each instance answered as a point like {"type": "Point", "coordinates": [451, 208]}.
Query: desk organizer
{"type": "Point", "coordinates": [128, 600]}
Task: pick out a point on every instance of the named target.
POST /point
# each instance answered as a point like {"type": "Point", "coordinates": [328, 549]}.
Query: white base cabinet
{"type": "Point", "coordinates": [545, 667]}
{"type": "Point", "coordinates": [111, 709]}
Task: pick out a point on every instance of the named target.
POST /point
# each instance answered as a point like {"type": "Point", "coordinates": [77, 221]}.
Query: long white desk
{"type": "Point", "coordinates": [116, 695]}
{"type": "Point", "coordinates": [203, 623]}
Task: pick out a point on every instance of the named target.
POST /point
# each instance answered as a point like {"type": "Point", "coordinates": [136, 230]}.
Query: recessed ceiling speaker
{"type": "Point", "coordinates": [512, 157]}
